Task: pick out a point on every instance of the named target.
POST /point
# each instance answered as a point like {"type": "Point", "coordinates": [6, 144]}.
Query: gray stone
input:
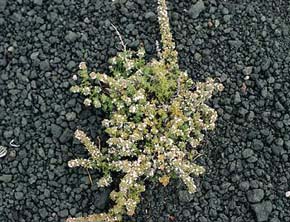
{"type": "Point", "coordinates": [287, 144]}
{"type": "Point", "coordinates": [252, 159]}
{"type": "Point", "coordinates": [266, 64]}
{"type": "Point", "coordinates": [271, 79]}
{"type": "Point", "coordinates": [71, 36]}
{"type": "Point", "coordinates": [247, 153]}
{"type": "Point", "coordinates": [235, 43]}
{"type": "Point", "coordinates": [251, 116]}
{"type": "Point", "coordinates": [44, 65]}
{"type": "Point", "coordinates": [279, 106]}
{"type": "Point", "coordinates": [65, 136]}
{"type": "Point", "coordinates": [19, 195]}
{"type": "Point", "coordinates": [185, 196]}
{"type": "Point", "coordinates": [8, 134]}
{"type": "Point", "coordinates": [264, 92]}
{"type": "Point", "coordinates": [102, 199]}
{"type": "Point", "coordinates": [237, 98]}
{"type": "Point", "coordinates": [151, 16]}
{"type": "Point", "coordinates": [196, 9]}
{"type": "Point", "coordinates": [255, 195]}
{"type": "Point", "coordinates": [227, 18]}
{"type": "Point", "coordinates": [71, 65]}
{"type": "Point", "coordinates": [56, 130]}
{"type": "Point", "coordinates": [63, 213]}
{"type": "Point", "coordinates": [248, 70]}
{"type": "Point", "coordinates": [43, 213]}
{"type": "Point", "coordinates": [262, 210]}
{"type": "Point", "coordinates": [243, 111]}
{"type": "Point", "coordinates": [225, 11]}
{"type": "Point", "coordinates": [244, 186]}
{"type": "Point", "coordinates": [203, 219]}
{"type": "Point", "coordinates": [186, 213]}
{"type": "Point", "coordinates": [38, 2]}
{"type": "Point", "coordinates": [72, 211]}
{"type": "Point", "coordinates": [197, 56]}
{"type": "Point", "coordinates": [264, 33]}
{"type": "Point", "coordinates": [258, 144]}
{"type": "Point", "coordinates": [5, 178]}
{"type": "Point", "coordinates": [3, 4]}
{"type": "Point", "coordinates": [41, 152]}
{"type": "Point", "coordinates": [11, 85]}
{"type": "Point", "coordinates": [34, 55]}
{"type": "Point", "coordinates": [277, 150]}
{"type": "Point", "coordinates": [70, 116]}
{"type": "Point", "coordinates": [11, 49]}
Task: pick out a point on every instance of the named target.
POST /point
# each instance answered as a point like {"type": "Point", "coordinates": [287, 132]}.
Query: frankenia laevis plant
{"type": "Point", "coordinates": [156, 116]}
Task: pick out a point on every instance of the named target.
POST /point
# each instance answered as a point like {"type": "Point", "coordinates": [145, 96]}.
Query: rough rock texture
{"type": "Point", "coordinates": [245, 44]}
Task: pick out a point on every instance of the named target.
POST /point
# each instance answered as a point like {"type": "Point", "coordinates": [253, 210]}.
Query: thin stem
{"type": "Point", "coordinates": [119, 35]}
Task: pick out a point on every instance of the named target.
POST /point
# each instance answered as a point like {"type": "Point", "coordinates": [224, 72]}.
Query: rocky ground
{"type": "Point", "coordinates": [243, 43]}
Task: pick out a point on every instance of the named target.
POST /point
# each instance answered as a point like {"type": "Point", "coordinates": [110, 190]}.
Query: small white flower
{"type": "Point", "coordinates": [87, 102]}
{"type": "Point", "coordinates": [132, 109]}
{"type": "Point", "coordinates": [72, 163]}
{"type": "Point", "coordinates": [105, 181]}
{"type": "Point", "coordinates": [82, 66]}
{"type": "Point", "coordinates": [79, 134]}
{"type": "Point", "coordinates": [75, 89]}
{"type": "Point", "coordinates": [93, 75]}
{"type": "Point", "coordinates": [106, 123]}
{"type": "Point", "coordinates": [97, 103]}
{"type": "Point", "coordinates": [75, 77]}
{"type": "Point", "coordinates": [86, 90]}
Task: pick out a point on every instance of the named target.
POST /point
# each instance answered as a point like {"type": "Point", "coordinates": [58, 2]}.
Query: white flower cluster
{"type": "Point", "coordinates": [105, 181]}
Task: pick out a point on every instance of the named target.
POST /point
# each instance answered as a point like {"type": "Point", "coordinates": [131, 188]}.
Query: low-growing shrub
{"type": "Point", "coordinates": [156, 116]}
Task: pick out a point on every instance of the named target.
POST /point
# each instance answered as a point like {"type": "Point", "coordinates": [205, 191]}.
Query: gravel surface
{"type": "Point", "coordinates": [243, 43]}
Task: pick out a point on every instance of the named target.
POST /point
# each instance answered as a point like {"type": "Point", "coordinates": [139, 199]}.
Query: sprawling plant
{"type": "Point", "coordinates": [156, 116]}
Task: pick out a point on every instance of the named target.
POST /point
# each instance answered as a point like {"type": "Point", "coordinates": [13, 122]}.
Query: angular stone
{"type": "Point", "coordinates": [263, 210]}
{"type": "Point", "coordinates": [38, 2]}
{"type": "Point", "coordinates": [5, 178]}
{"type": "Point", "coordinates": [56, 130]}
{"type": "Point", "coordinates": [71, 65]}
{"type": "Point", "coordinates": [44, 65]}
{"type": "Point", "coordinates": [196, 9]}
{"type": "Point", "coordinates": [255, 195]}
{"type": "Point", "coordinates": [70, 116]}
{"type": "Point", "coordinates": [247, 153]}
{"type": "Point", "coordinates": [19, 195]}
{"type": "Point", "coordinates": [71, 36]}
{"type": "Point", "coordinates": [151, 16]}
{"type": "Point", "coordinates": [34, 55]}
{"type": "Point", "coordinates": [244, 186]}
{"type": "Point", "coordinates": [3, 4]}
{"type": "Point", "coordinates": [185, 196]}
{"type": "Point", "coordinates": [63, 213]}
{"type": "Point", "coordinates": [65, 136]}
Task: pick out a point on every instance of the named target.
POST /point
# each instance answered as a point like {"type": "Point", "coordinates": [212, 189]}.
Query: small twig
{"type": "Point", "coordinates": [12, 144]}
{"type": "Point", "coordinates": [99, 142]}
{"type": "Point", "coordinates": [197, 156]}
{"type": "Point", "coordinates": [89, 175]}
{"type": "Point", "coordinates": [119, 35]}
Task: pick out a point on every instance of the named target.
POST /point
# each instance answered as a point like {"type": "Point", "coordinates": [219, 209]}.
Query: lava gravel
{"type": "Point", "coordinates": [245, 44]}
